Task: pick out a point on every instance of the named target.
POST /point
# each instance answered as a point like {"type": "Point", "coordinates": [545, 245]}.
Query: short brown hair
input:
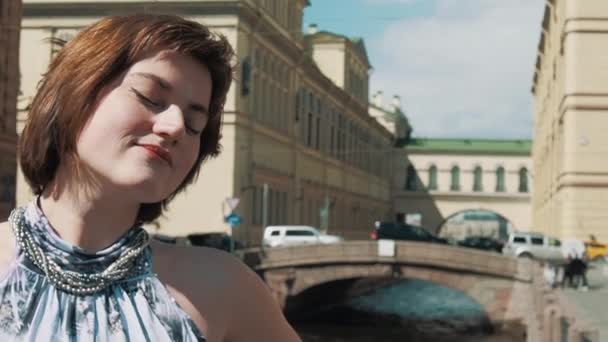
{"type": "Point", "coordinates": [96, 57]}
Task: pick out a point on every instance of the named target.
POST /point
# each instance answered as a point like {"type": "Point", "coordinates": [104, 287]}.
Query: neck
{"type": "Point", "coordinates": [89, 221]}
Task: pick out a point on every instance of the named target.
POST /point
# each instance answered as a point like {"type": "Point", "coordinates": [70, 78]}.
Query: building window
{"type": "Point", "coordinates": [260, 206]}
{"type": "Point", "coordinates": [455, 173]}
{"type": "Point", "coordinates": [277, 207]}
{"type": "Point", "coordinates": [410, 181]}
{"type": "Point", "coordinates": [477, 179]}
{"type": "Point", "coordinates": [255, 204]}
{"type": "Point", "coordinates": [270, 208]}
{"type": "Point", "coordinates": [255, 101]}
{"type": "Point", "coordinates": [265, 64]}
{"type": "Point", "coordinates": [309, 133]}
{"type": "Point", "coordinates": [264, 101]}
{"type": "Point", "coordinates": [433, 177]}
{"type": "Point", "coordinates": [245, 77]}
{"type": "Point", "coordinates": [318, 134]}
{"type": "Point", "coordinates": [300, 98]}
{"type": "Point", "coordinates": [500, 179]}
{"type": "Point", "coordinates": [285, 211]}
{"type": "Point", "coordinates": [332, 147]}
{"type": "Point", "coordinates": [311, 102]}
{"type": "Point", "coordinates": [523, 180]}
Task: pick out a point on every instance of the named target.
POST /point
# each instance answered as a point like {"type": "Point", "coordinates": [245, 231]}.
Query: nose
{"type": "Point", "coordinates": [170, 123]}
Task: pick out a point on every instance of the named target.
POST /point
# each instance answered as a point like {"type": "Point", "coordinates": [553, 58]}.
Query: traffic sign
{"type": "Point", "coordinates": [234, 220]}
{"type": "Point", "coordinates": [232, 202]}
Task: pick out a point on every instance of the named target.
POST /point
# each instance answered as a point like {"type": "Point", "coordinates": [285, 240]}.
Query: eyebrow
{"type": "Point", "coordinates": [166, 86]}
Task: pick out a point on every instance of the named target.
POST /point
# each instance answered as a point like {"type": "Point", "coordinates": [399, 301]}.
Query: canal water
{"type": "Point", "coordinates": [410, 310]}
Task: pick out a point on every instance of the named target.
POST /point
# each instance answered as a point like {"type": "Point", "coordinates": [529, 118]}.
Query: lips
{"type": "Point", "coordinates": [159, 152]}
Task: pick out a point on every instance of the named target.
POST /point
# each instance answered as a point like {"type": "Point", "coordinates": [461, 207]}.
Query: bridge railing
{"type": "Point", "coordinates": [405, 252]}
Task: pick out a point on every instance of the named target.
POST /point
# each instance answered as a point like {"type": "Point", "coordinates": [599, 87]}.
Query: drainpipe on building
{"type": "Point", "coordinates": [264, 214]}
{"type": "Point", "coordinates": [265, 206]}
{"type": "Point", "coordinates": [324, 213]}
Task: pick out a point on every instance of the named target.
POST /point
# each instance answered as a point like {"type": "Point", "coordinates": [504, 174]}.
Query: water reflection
{"type": "Point", "coordinates": [410, 310]}
{"type": "Point", "coordinates": [420, 299]}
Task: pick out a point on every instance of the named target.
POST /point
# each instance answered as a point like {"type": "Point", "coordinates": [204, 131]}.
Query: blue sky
{"type": "Point", "coordinates": [363, 18]}
{"type": "Point", "coordinates": [463, 68]}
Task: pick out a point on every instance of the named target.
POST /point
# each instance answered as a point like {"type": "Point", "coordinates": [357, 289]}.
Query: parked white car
{"type": "Point", "coordinates": [275, 236]}
{"type": "Point", "coordinates": [533, 245]}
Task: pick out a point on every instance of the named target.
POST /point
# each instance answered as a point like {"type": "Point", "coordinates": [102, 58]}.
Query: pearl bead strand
{"type": "Point", "coordinates": [71, 281]}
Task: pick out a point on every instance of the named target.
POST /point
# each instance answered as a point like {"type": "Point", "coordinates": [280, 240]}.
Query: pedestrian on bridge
{"type": "Point", "coordinates": [121, 123]}
{"type": "Point", "coordinates": [575, 272]}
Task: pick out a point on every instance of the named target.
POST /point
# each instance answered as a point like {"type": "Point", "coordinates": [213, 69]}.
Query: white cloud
{"type": "Point", "coordinates": [466, 70]}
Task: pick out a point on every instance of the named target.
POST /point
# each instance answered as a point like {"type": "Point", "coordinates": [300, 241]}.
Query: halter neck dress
{"type": "Point", "coordinates": [135, 308]}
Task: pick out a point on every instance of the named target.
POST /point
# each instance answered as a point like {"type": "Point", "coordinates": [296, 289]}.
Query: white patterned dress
{"type": "Point", "coordinates": [136, 308]}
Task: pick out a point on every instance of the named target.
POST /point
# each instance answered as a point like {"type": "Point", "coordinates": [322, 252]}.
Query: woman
{"type": "Point", "coordinates": [122, 121]}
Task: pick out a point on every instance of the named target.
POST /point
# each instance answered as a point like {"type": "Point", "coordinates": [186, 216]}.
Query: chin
{"type": "Point", "coordinates": [148, 190]}
{"type": "Point", "coordinates": [155, 193]}
{"type": "Point", "coordinates": [152, 195]}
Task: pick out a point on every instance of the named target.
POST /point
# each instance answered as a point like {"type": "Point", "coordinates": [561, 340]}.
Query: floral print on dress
{"type": "Point", "coordinates": [138, 308]}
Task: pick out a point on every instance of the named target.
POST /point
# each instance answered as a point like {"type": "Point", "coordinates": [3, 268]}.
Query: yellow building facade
{"type": "Point", "coordinates": [10, 20]}
{"type": "Point", "coordinates": [298, 145]}
{"type": "Point", "coordinates": [570, 152]}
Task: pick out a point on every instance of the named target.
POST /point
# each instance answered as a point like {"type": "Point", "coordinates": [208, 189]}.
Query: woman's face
{"type": "Point", "coordinates": [144, 133]}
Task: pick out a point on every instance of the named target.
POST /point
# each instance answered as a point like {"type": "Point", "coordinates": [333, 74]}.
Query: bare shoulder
{"type": "Point", "coordinates": [196, 266]}
{"type": "Point", "coordinates": [7, 246]}
{"type": "Point", "coordinates": [228, 298]}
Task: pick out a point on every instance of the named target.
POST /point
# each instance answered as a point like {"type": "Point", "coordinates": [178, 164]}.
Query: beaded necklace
{"type": "Point", "coordinates": [78, 283]}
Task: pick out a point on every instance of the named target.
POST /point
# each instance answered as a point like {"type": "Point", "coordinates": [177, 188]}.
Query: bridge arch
{"type": "Point", "coordinates": [491, 294]}
{"type": "Point", "coordinates": [488, 278]}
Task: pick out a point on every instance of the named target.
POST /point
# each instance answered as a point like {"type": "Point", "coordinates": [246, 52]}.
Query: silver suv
{"type": "Point", "coordinates": [533, 245]}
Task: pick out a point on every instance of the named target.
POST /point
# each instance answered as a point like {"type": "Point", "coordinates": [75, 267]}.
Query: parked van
{"type": "Point", "coordinates": [533, 245]}
{"type": "Point", "coordinates": [275, 236]}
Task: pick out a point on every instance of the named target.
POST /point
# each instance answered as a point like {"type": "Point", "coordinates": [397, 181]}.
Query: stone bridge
{"type": "Point", "coordinates": [501, 285]}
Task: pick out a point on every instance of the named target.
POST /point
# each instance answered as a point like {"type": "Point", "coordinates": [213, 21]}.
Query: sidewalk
{"type": "Point", "coordinates": [591, 308]}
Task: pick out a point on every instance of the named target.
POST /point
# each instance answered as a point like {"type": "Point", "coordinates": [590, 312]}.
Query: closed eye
{"type": "Point", "coordinates": [159, 106]}
{"type": "Point", "coordinates": [192, 131]}
{"type": "Point", "coordinates": [146, 100]}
